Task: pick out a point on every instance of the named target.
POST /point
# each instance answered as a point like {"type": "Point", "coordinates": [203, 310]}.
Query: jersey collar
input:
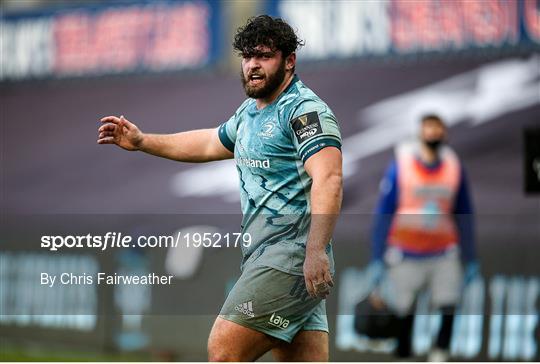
{"type": "Point", "coordinates": [293, 81]}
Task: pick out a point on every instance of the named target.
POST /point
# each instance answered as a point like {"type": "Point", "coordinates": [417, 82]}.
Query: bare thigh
{"type": "Point", "coordinates": [306, 346]}
{"type": "Point", "coordinates": [230, 341]}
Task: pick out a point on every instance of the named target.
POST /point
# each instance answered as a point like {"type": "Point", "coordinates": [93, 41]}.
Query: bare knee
{"type": "Point", "coordinates": [219, 353]}
{"type": "Point", "coordinates": [218, 348]}
{"type": "Point", "coordinates": [214, 357]}
{"type": "Point", "coordinates": [229, 341]}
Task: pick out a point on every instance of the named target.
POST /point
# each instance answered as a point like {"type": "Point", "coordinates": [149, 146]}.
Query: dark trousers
{"type": "Point", "coordinates": [405, 329]}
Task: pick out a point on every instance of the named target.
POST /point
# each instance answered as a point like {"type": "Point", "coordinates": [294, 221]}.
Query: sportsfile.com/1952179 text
{"type": "Point", "coordinates": [120, 240]}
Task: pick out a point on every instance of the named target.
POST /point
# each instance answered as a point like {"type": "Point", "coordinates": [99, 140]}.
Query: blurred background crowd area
{"type": "Point", "coordinates": [168, 66]}
{"type": "Point", "coordinates": [53, 38]}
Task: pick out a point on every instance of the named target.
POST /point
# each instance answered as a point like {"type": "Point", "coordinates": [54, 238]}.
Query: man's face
{"type": "Point", "coordinates": [432, 131]}
{"type": "Point", "coordinates": [262, 72]}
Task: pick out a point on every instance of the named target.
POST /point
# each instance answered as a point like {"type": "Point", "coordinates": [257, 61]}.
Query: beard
{"type": "Point", "coordinates": [271, 83]}
{"type": "Point", "coordinates": [434, 144]}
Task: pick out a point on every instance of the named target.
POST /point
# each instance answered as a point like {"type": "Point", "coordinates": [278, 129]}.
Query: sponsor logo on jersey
{"type": "Point", "coordinates": [279, 321]}
{"type": "Point", "coordinates": [306, 126]}
{"type": "Point", "coordinates": [253, 163]}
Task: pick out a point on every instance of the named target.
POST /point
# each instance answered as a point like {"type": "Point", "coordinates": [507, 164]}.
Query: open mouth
{"type": "Point", "coordinates": [255, 79]}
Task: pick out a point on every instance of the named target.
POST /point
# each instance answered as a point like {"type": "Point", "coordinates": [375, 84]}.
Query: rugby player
{"type": "Point", "coordinates": [287, 147]}
{"type": "Point", "coordinates": [423, 225]}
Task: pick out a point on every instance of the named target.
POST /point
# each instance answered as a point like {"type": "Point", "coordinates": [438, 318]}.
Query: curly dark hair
{"type": "Point", "coordinates": [265, 30]}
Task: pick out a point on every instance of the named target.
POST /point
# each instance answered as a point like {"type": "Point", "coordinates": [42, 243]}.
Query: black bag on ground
{"type": "Point", "coordinates": [374, 323]}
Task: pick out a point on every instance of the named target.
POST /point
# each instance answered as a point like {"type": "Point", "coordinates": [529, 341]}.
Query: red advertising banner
{"type": "Point", "coordinates": [345, 29]}
{"type": "Point", "coordinates": [155, 36]}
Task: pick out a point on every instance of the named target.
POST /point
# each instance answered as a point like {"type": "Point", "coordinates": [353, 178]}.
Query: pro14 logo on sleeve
{"type": "Point", "coordinates": [306, 126]}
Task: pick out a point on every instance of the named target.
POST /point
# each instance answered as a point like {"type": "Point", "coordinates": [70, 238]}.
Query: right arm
{"type": "Point", "coordinates": [385, 211]}
{"type": "Point", "coordinates": [194, 146]}
{"type": "Point", "coordinates": [384, 214]}
{"type": "Point", "coordinates": [464, 215]}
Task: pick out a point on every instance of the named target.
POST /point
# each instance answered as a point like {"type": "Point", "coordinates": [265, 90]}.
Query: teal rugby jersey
{"type": "Point", "coordinates": [270, 147]}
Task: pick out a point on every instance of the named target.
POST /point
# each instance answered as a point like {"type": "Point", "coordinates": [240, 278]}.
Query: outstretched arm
{"type": "Point", "coordinates": [192, 146]}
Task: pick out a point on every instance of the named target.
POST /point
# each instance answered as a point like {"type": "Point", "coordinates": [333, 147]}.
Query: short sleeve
{"type": "Point", "coordinates": [227, 133]}
{"type": "Point", "coordinates": [314, 127]}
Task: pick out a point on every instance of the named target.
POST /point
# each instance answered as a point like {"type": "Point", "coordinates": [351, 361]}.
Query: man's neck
{"type": "Point", "coordinates": [427, 155]}
{"type": "Point", "coordinates": [262, 103]}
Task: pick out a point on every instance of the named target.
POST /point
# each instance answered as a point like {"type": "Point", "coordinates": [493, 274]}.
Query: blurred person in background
{"type": "Point", "coordinates": [286, 143]}
{"type": "Point", "coordinates": [423, 226]}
